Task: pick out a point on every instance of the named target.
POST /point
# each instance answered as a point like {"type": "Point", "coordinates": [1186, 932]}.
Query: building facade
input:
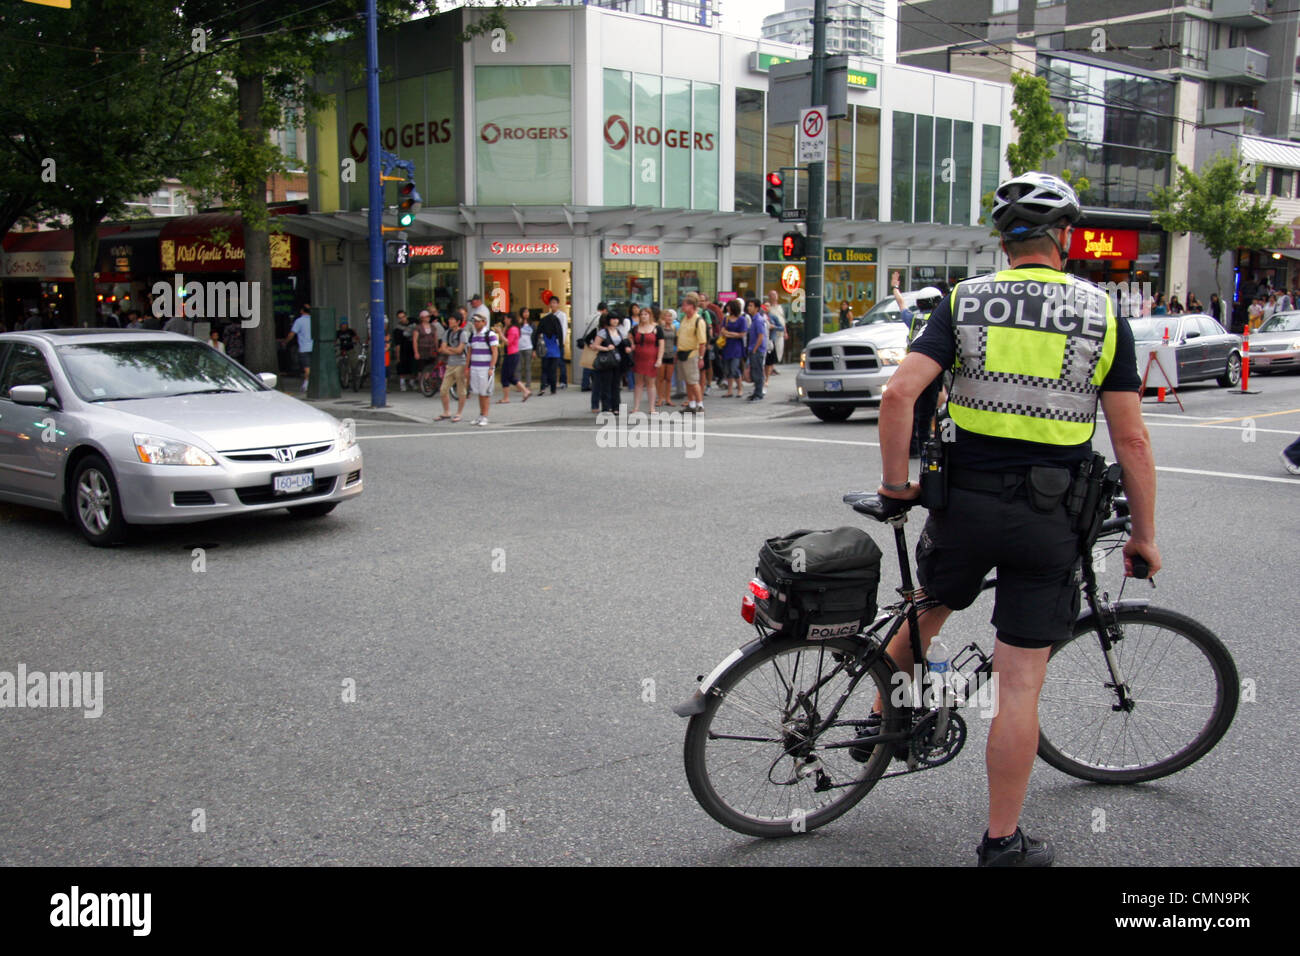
{"type": "Point", "coordinates": [607, 156]}
{"type": "Point", "coordinates": [861, 27]}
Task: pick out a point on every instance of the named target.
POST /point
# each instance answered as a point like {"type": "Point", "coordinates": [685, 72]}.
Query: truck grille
{"type": "Point", "coordinates": [855, 358]}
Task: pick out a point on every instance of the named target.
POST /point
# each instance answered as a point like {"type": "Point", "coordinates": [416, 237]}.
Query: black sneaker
{"type": "Point", "coordinates": [1022, 851]}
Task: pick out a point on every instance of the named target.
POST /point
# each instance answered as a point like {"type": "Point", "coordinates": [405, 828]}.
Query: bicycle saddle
{"type": "Point", "coordinates": [877, 506]}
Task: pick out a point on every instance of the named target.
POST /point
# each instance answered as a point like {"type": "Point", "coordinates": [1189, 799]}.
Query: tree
{"type": "Point", "coordinates": [96, 108]}
{"type": "Point", "coordinates": [1040, 129]}
{"type": "Point", "coordinates": [269, 55]}
{"type": "Point", "coordinates": [1213, 206]}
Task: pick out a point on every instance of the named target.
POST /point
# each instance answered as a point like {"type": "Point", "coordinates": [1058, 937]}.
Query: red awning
{"type": "Point", "coordinates": [214, 242]}
{"type": "Point", "coordinates": [51, 240]}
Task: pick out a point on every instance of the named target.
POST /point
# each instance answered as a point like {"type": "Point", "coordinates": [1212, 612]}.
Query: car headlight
{"type": "Point", "coordinates": [347, 434]}
{"type": "Point", "coordinates": [891, 356]}
{"type": "Point", "coordinates": [803, 358]}
{"type": "Point", "coordinates": [167, 451]}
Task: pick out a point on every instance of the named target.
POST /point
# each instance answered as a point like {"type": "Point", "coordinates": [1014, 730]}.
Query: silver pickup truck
{"type": "Point", "coordinates": [850, 368]}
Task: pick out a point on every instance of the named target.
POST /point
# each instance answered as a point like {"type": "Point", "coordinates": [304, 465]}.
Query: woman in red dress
{"type": "Point", "coordinates": [648, 341]}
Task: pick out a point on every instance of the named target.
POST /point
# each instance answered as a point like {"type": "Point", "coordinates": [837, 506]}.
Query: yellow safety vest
{"type": "Point", "coordinates": [1033, 345]}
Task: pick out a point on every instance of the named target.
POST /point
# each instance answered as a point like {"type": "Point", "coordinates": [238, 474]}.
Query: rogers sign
{"type": "Point", "coordinates": [491, 132]}
{"type": "Point", "coordinates": [617, 134]}
{"type": "Point", "coordinates": [525, 249]}
{"type": "Point", "coordinates": [633, 249]}
{"type": "Point", "coordinates": [429, 133]}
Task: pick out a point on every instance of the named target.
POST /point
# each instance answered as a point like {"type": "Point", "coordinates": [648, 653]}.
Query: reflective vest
{"type": "Point", "coordinates": [914, 328]}
{"type": "Point", "coordinates": [1033, 345]}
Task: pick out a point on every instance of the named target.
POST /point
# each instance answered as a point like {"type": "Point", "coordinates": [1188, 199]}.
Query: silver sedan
{"type": "Point", "coordinates": [115, 428]}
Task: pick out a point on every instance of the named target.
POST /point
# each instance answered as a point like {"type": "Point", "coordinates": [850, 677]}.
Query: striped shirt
{"type": "Point", "coordinates": [480, 348]}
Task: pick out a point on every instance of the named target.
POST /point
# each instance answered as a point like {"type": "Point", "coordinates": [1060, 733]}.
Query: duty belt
{"type": "Point", "coordinates": [1007, 484]}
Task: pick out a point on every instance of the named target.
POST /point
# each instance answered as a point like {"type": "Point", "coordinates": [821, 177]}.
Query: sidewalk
{"type": "Point", "coordinates": [567, 406]}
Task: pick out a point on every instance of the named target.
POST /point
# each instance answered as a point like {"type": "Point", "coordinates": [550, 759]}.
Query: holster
{"type": "Point", "coordinates": [1047, 487]}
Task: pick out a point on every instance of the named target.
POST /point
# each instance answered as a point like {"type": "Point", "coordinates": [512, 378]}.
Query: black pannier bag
{"type": "Point", "coordinates": [822, 581]}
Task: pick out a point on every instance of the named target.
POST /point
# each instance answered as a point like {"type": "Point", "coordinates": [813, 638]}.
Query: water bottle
{"type": "Point", "coordinates": [938, 657]}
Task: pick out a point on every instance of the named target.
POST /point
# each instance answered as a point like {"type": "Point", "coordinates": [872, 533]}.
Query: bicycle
{"type": "Point", "coordinates": [360, 373]}
{"type": "Point", "coordinates": [779, 740]}
{"type": "Point", "coordinates": [430, 378]}
{"type": "Point", "coordinates": [347, 368]}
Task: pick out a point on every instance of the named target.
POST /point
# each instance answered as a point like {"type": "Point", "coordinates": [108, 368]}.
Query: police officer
{"type": "Point", "coordinates": [929, 400]}
{"type": "Point", "coordinates": [1032, 350]}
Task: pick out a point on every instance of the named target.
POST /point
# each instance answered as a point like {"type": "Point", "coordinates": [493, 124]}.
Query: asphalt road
{"type": "Point", "coordinates": [518, 608]}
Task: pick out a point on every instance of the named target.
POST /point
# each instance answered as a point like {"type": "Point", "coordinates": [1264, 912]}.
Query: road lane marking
{"type": "Point", "coordinates": [1224, 421]}
{"type": "Point", "coordinates": [1228, 428]}
{"type": "Point", "coordinates": [1228, 474]}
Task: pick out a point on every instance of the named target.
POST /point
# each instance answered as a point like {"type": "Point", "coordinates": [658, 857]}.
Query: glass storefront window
{"type": "Point", "coordinates": [625, 282]}
{"type": "Point", "coordinates": [436, 282]}
{"type": "Point", "coordinates": [990, 158]}
{"type": "Point", "coordinates": [839, 170]}
{"type": "Point", "coordinates": [677, 156]}
{"type": "Point", "coordinates": [904, 137]}
{"type": "Point", "coordinates": [744, 281]}
{"type": "Point", "coordinates": [705, 149]}
{"type": "Point", "coordinates": [749, 150]}
{"type": "Point", "coordinates": [854, 284]}
{"type": "Point", "coordinates": [647, 112]}
{"type": "Point", "coordinates": [945, 166]}
{"type": "Point", "coordinates": [963, 151]}
{"type": "Point", "coordinates": [683, 277]}
{"type": "Point", "coordinates": [618, 138]}
{"type": "Point", "coordinates": [924, 168]}
{"type": "Point", "coordinates": [866, 159]}
{"type": "Point", "coordinates": [523, 142]}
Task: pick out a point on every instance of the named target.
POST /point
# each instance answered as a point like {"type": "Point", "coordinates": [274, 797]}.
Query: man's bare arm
{"type": "Point", "coordinates": [895, 423]}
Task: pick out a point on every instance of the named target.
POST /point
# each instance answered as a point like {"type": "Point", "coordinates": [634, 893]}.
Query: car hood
{"type": "Point", "coordinates": [1273, 338]}
{"type": "Point", "coordinates": [879, 334]}
{"type": "Point", "coordinates": [232, 421]}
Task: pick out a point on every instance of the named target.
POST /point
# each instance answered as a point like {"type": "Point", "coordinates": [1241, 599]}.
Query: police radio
{"type": "Point", "coordinates": [934, 470]}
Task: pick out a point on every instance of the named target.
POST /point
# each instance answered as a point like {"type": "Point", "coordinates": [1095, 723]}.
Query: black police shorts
{"type": "Point", "coordinates": [1036, 556]}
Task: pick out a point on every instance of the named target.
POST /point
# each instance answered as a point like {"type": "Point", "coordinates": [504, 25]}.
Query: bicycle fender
{"type": "Point", "coordinates": [1114, 606]}
{"type": "Point", "coordinates": [695, 703]}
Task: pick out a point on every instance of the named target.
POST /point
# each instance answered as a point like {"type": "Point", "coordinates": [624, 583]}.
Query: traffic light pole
{"type": "Point", "coordinates": [378, 308]}
{"type": "Point", "coordinates": [812, 316]}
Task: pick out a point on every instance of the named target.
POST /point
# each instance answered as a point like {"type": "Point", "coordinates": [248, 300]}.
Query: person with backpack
{"type": "Point", "coordinates": [454, 349]}
{"type": "Point", "coordinates": [692, 338]}
{"type": "Point", "coordinates": [232, 336]}
{"type": "Point", "coordinates": [552, 334]}
{"type": "Point", "coordinates": [482, 347]}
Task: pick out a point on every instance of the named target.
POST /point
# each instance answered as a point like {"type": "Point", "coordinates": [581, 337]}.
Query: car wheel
{"type": "Point", "coordinates": [318, 510]}
{"type": "Point", "coordinates": [1232, 372]}
{"type": "Point", "coordinates": [96, 505]}
{"type": "Point", "coordinates": [832, 413]}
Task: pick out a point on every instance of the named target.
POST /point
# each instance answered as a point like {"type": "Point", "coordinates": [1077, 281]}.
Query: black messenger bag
{"type": "Point", "coordinates": [821, 584]}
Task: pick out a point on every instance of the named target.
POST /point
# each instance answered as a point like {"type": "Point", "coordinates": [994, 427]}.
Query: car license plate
{"type": "Point", "coordinates": [835, 385]}
{"type": "Point", "coordinates": [293, 483]}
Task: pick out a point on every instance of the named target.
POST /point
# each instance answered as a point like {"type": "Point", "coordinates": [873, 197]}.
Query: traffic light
{"type": "Point", "coordinates": [409, 203]}
{"type": "Point", "coordinates": [793, 245]}
{"type": "Point", "coordinates": [775, 202]}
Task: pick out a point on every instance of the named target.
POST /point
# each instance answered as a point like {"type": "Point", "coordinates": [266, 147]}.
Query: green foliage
{"type": "Point", "coordinates": [1212, 206]}
{"type": "Point", "coordinates": [1040, 130]}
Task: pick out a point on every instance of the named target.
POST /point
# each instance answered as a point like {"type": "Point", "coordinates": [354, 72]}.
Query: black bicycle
{"type": "Point", "coordinates": [782, 740]}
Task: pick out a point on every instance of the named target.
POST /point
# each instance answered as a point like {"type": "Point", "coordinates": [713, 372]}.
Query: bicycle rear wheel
{"type": "Point", "coordinates": [1182, 682]}
{"type": "Point", "coordinates": [752, 758]}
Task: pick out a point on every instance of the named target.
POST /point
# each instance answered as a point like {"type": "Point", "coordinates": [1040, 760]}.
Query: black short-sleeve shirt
{"type": "Point", "coordinates": [984, 453]}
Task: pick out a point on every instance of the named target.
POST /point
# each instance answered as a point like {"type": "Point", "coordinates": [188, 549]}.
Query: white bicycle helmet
{"type": "Point", "coordinates": [928, 297]}
{"type": "Point", "coordinates": [1036, 202]}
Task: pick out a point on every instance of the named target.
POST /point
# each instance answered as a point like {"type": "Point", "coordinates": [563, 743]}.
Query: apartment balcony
{"type": "Point", "coordinates": [1242, 14]}
{"type": "Point", "coordinates": [1243, 118]}
{"type": "Point", "coordinates": [1238, 64]}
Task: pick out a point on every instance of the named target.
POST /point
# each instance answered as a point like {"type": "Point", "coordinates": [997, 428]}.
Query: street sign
{"type": "Point", "coordinates": [397, 253]}
{"type": "Point", "coordinates": [812, 130]}
{"type": "Point", "coordinates": [794, 215]}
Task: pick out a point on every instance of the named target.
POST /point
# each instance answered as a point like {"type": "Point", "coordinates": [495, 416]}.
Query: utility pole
{"type": "Point", "coordinates": [812, 316]}
{"type": "Point", "coordinates": [374, 145]}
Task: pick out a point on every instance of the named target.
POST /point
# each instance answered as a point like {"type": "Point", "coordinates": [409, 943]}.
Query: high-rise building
{"type": "Point", "coordinates": [1138, 82]}
{"type": "Point", "coordinates": [862, 27]}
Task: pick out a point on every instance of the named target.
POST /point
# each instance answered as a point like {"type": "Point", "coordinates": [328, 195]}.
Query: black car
{"type": "Point", "coordinates": [1205, 349]}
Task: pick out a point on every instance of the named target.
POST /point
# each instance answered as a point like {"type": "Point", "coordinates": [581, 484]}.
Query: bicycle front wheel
{"type": "Point", "coordinates": [757, 757]}
{"type": "Point", "coordinates": [1183, 688]}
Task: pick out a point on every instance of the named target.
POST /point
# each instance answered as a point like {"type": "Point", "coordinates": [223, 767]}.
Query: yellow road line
{"type": "Point", "coordinates": [1225, 421]}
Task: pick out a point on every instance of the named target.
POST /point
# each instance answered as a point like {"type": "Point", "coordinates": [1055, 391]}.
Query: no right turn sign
{"type": "Point", "coordinates": [811, 142]}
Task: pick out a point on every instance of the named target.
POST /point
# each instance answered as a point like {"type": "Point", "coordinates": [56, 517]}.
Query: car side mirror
{"type": "Point", "coordinates": [32, 395]}
{"type": "Point", "coordinates": [268, 379]}
{"type": "Point", "coordinates": [1192, 335]}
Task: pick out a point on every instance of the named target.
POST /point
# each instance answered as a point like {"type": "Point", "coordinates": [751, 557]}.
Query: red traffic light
{"type": "Point", "coordinates": [787, 246]}
{"type": "Point", "coordinates": [774, 179]}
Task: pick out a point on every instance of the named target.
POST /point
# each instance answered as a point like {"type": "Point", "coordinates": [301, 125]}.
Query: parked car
{"type": "Point", "coordinates": [1205, 349]}
{"type": "Point", "coordinates": [119, 427]}
{"type": "Point", "coordinates": [1275, 347]}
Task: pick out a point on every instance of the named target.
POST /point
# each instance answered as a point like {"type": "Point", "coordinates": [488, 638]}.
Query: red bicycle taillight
{"type": "Point", "coordinates": [758, 589]}
{"type": "Point", "coordinates": [747, 609]}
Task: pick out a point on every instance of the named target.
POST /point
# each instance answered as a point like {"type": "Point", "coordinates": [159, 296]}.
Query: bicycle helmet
{"type": "Point", "coordinates": [928, 298]}
{"type": "Point", "coordinates": [1034, 202]}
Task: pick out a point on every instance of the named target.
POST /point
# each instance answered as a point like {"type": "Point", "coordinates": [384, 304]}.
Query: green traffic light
{"type": "Point", "coordinates": [405, 219]}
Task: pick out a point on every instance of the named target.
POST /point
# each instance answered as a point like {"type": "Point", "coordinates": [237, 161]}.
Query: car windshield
{"type": "Point", "coordinates": [1287, 322]}
{"type": "Point", "coordinates": [1153, 329]}
{"type": "Point", "coordinates": [886, 311]}
{"type": "Point", "coordinates": [114, 371]}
